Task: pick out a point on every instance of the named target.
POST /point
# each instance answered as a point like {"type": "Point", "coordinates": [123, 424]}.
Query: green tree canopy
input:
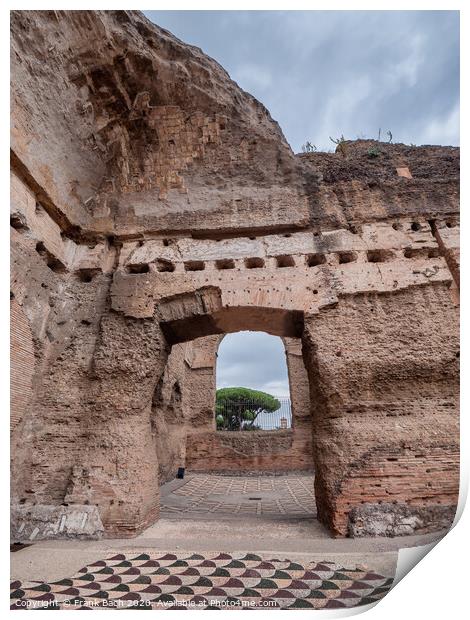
{"type": "Point", "coordinates": [257, 401]}
{"type": "Point", "coordinates": [239, 407]}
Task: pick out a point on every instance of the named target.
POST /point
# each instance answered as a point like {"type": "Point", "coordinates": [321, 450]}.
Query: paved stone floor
{"type": "Point", "coordinates": [204, 581]}
{"type": "Point", "coordinates": [287, 496]}
{"type": "Point", "coordinates": [214, 547]}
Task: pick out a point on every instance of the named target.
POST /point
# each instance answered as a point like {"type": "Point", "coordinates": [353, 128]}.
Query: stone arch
{"type": "Point", "coordinates": [128, 363]}
{"type": "Point", "coordinates": [115, 448]}
{"type": "Point", "coordinates": [274, 321]}
{"type": "Point", "coordinates": [287, 450]}
{"type": "Point", "coordinates": [119, 469]}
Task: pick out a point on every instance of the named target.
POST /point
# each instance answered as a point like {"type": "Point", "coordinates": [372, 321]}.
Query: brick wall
{"type": "Point", "coordinates": [219, 451]}
{"type": "Point", "coordinates": [21, 363]}
{"type": "Point", "coordinates": [400, 476]}
{"type": "Point", "coordinates": [385, 404]}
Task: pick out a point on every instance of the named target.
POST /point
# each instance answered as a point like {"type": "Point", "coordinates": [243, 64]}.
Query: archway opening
{"type": "Point", "coordinates": [252, 383]}
{"type": "Point", "coordinates": [248, 450]}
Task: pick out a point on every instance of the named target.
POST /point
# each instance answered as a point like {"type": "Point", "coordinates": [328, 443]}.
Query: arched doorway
{"type": "Point", "coordinates": [251, 453]}
{"type": "Point", "coordinates": [116, 456]}
{"type": "Point", "coordinates": [252, 383]}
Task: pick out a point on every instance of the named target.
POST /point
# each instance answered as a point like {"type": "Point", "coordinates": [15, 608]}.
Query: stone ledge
{"type": "Point", "coordinates": [389, 519]}
{"type": "Point", "coordinates": [42, 521]}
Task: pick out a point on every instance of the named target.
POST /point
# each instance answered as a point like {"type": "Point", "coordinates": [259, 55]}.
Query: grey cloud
{"type": "Point", "coordinates": [323, 73]}
{"type": "Point", "coordinates": [327, 73]}
{"type": "Point", "coordinates": [255, 360]}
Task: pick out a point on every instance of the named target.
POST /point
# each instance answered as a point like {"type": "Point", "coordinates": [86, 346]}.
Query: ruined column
{"type": "Point", "coordinates": [119, 468]}
{"type": "Point", "coordinates": [91, 454]}
{"type": "Point", "coordinates": [302, 449]}
{"type": "Point", "coordinates": [383, 372]}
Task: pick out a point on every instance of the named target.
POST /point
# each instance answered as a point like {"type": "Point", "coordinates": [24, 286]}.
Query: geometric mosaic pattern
{"type": "Point", "coordinates": [269, 496]}
{"type": "Point", "coordinates": [209, 581]}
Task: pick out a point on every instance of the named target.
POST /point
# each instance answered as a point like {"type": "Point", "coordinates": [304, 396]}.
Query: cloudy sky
{"type": "Point", "coordinates": [255, 360]}
{"type": "Point", "coordinates": [327, 73]}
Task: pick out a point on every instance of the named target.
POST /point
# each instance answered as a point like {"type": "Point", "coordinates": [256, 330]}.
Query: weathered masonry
{"type": "Point", "coordinates": [156, 207]}
{"type": "Point", "coordinates": [189, 381]}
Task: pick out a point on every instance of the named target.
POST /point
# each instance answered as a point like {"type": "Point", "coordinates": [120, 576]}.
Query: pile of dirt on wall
{"type": "Point", "coordinates": [371, 160]}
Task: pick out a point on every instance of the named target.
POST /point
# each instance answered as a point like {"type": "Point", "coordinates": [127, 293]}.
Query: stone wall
{"type": "Point", "coordinates": [386, 394]}
{"type": "Point", "coordinates": [200, 385]}
{"type": "Point", "coordinates": [261, 451]}
{"type": "Point", "coordinates": [154, 203]}
{"type": "Point", "coordinates": [289, 450]}
{"type": "Point", "coordinates": [22, 362]}
{"type": "Point", "coordinates": [168, 415]}
{"type": "Point", "coordinates": [162, 277]}
{"type": "Point", "coordinates": [183, 403]}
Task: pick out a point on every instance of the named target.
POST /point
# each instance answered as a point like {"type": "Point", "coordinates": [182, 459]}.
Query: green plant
{"type": "Point", "coordinates": [239, 407]}
{"type": "Point", "coordinates": [373, 152]}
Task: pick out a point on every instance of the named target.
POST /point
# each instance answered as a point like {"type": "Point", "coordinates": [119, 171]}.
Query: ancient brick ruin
{"type": "Point", "coordinates": [156, 207]}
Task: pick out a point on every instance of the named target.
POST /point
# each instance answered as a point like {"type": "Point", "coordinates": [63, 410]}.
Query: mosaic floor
{"type": "Point", "coordinates": [266, 496]}
{"type": "Point", "coordinates": [209, 581]}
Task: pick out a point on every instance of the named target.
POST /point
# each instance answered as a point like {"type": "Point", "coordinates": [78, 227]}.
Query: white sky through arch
{"type": "Point", "coordinates": [254, 360]}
